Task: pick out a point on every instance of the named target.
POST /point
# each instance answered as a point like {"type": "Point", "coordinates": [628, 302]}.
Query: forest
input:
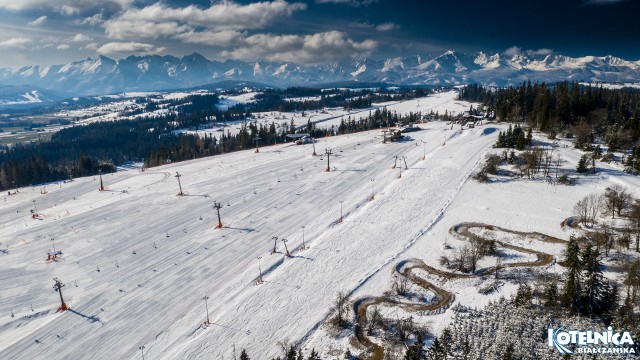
{"type": "Point", "coordinates": [84, 150]}
{"type": "Point", "coordinates": [588, 114]}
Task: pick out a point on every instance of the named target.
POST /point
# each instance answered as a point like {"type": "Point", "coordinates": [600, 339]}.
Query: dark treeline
{"type": "Point", "coordinates": [83, 150]}
{"type": "Point", "coordinates": [587, 113]}
{"type": "Point", "coordinates": [277, 100]}
{"type": "Point", "coordinates": [190, 147]}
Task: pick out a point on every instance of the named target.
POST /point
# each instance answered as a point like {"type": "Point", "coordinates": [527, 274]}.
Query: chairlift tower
{"type": "Point", "coordinates": [217, 206]}
{"type": "Point", "coordinates": [285, 247]}
{"type": "Point", "coordinates": [372, 190]}
{"type": "Point", "coordinates": [206, 306]}
{"type": "Point", "coordinates": [275, 244]}
{"type": "Point", "coordinates": [313, 142]}
{"type": "Point", "coordinates": [328, 152]}
{"type": "Point", "coordinates": [101, 183]}
{"type": "Point", "coordinates": [304, 246]}
{"type": "Point", "coordinates": [178, 176]}
{"type": "Point", "coordinates": [34, 212]}
{"type": "Point", "coordinates": [260, 281]}
{"type": "Point", "coordinates": [58, 287]}
{"type": "Point", "coordinates": [256, 139]}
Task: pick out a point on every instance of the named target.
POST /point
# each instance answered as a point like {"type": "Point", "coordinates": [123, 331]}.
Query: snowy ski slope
{"type": "Point", "coordinates": [154, 298]}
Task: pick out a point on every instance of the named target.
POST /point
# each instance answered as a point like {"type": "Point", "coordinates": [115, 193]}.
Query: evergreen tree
{"type": "Point", "coordinates": [291, 354]}
{"type": "Point", "coordinates": [582, 164]}
{"type": "Point", "coordinates": [314, 355]}
{"type": "Point", "coordinates": [595, 290]}
{"type": "Point", "coordinates": [509, 353]}
{"type": "Point", "coordinates": [523, 295]}
{"type": "Point", "coordinates": [520, 142]}
{"type": "Point", "coordinates": [500, 141]}
{"type": "Point", "coordinates": [414, 352]}
{"type": "Point", "coordinates": [437, 351]}
{"type": "Point", "coordinates": [572, 289]}
{"type": "Point", "coordinates": [597, 152]}
{"type": "Point", "coordinates": [243, 355]}
{"type": "Point", "coordinates": [551, 295]}
{"type": "Point", "coordinates": [446, 340]}
{"type": "Point", "coordinates": [624, 316]}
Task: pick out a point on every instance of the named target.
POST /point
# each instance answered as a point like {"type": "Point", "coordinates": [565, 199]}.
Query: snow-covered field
{"type": "Point", "coordinates": [226, 102]}
{"type": "Point", "coordinates": [325, 118]}
{"type": "Point", "coordinates": [159, 254]}
{"type": "Point", "coordinates": [154, 297]}
{"type": "Point", "coordinates": [612, 85]}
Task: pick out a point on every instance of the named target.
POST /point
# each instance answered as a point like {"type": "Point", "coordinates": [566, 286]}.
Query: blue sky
{"type": "Point", "coordinates": [311, 31]}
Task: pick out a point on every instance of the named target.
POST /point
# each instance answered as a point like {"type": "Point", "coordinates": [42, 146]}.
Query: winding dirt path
{"type": "Point", "coordinates": [443, 297]}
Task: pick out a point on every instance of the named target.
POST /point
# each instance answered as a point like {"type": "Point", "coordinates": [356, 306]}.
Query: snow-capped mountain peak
{"type": "Point", "coordinates": [153, 72]}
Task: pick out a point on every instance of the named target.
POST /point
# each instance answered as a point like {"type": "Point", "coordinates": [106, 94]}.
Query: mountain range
{"type": "Point", "coordinates": [103, 75]}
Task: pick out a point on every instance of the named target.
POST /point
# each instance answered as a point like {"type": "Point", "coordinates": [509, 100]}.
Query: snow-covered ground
{"type": "Point", "coordinates": [612, 85]}
{"type": "Point", "coordinates": [521, 205]}
{"type": "Point", "coordinates": [154, 297]}
{"type": "Point", "coordinates": [23, 98]}
{"type": "Point", "coordinates": [325, 118]}
{"type": "Point", "coordinates": [158, 254]}
{"type": "Point", "coordinates": [225, 102]}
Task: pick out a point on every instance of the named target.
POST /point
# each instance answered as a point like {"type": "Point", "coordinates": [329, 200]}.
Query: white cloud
{"type": "Point", "coordinates": [135, 29]}
{"type": "Point", "coordinates": [62, 47]}
{"type": "Point", "coordinates": [309, 49]}
{"type": "Point", "coordinates": [67, 7]}
{"type": "Point", "coordinates": [93, 20]}
{"type": "Point", "coordinates": [516, 50]}
{"type": "Point", "coordinates": [542, 51]}
{"type": "Point", "coordinates": [16, 42]}
{"type": "Point", "coordinates": [91, 47]}
{"type": "Point", "coordinates": [211, 38]}
{"type": "Point", "coordinates": [387, 26]}
{"type": "Point", "coordinates": [38, 21]}
{"type": "Point", "coordinates": [81, 38]}
{"type": "Point", "coordinates": [128, 48]}
{"type": "Point", "coordinates": [161, 20]}
{"type": "Point", "coordinates": [513, 51]}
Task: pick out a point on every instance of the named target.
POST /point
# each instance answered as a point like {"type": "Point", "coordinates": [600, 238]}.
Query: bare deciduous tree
{"type": "Point", "coordinates": [581, 209]}
{"type": "Point", "coordinates": [558, 162]}
{"type": "Point", "coordinates": [341, 308]}
{"type": "Point", "coordinates": [617, 198]}
{"type": "Point", "coordinates": [595, 204]}
{"type": "Point", "coordinates": [404, 328]}
{"type": "Point", "coordinates": [588, 209]}
{"type": "Point", "coordinates": [400, 284]}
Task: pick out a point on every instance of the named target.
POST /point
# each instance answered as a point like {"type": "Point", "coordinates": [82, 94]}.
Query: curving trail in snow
{"type": "Point", "coordinates": [443, 297]}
